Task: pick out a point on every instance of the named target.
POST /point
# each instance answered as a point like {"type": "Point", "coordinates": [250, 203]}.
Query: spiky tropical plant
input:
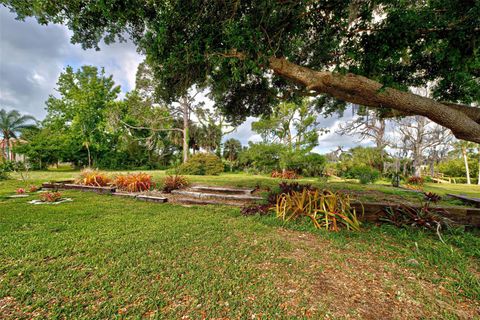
{"type": "Point", "coordinates": [11, 123]}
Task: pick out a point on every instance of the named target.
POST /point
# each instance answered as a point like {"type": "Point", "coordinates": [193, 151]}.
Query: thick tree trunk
{"type": "Point", "coordinates": [185, 129]}
{"type": "Point", "coordinates": [465, 159]}
{"type": "Point", "coordinates": [464, 121]}
{"type": "Point", "coordinates": [478, 182]}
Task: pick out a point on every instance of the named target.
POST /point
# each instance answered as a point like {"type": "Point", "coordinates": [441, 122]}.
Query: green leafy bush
{"type": "Point", "coordinates": [456, 168]}
{"type": "Point", "coordinates": [5, 168]}
{"type": "Point", "coordinates": [305, 164]}
{"type": "Point", "coordinates": [464, 180]}
{"type": "Point", "coordinates": [261, 157]}
{"type": "Point", "coordinates": [314, 164]}
{"type": "Point", "coordinates": [365, 174]}
{"type": "Point", "coordinates": [202, 164]}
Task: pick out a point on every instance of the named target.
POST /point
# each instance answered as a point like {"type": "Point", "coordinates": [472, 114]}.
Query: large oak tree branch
{"type": "Point", "coordinates": [464, 121]}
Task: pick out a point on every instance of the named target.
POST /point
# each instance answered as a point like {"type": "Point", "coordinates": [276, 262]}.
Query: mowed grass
{"type": "Point", "coordinates": [102, 257]}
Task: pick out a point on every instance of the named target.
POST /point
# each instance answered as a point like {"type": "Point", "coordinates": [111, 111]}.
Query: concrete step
{"type": "Point", "coordinates": [225, 190]}
{"type": "Point", "coordinates": [204, 195]}
{"type": "Point", "coordinates": [151, 198]}
{"type": "Point", "coordinates": [195, 201]}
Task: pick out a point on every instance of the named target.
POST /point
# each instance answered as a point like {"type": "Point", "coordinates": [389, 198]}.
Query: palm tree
{"type": "Point", "coordinates": [11, 123]}
{"type": "Point", "coordinates": [463, 147]}
{"type": "Point", "coordinates": [231, 149]}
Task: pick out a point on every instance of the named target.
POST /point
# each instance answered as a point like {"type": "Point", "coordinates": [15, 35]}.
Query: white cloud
{"type": "Point", "coordinates": [32, 57]}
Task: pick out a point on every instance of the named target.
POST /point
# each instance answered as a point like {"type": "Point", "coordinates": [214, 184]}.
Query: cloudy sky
{"type": "Point", "coordinates": [32, 57]}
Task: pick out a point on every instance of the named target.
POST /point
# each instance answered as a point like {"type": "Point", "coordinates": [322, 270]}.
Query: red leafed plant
{"type": "Point", "coordinates": [50, 196]}
{"type": "Point", "coordinates": [91, 177]}
{"type": "Point", "coordinates": [33, 188]}
{"type": "Point", "coordinates": [286, 174]}
{"type": "Point", "coordinates": [134, 182]}
{"type": "Point", "coordinates": [174, 182]}
{"type": "Point", "coordinates": [20, 191]}
{"type": "Point", "coordinates": [419, 181]}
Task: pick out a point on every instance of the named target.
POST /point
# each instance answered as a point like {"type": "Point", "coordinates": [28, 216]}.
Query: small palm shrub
{"type": "Point", "coordinates": [326, 209]}
{"type": "Point", "coordinates": [174, 182]}
{"type": "Point", "coordinates": [91, 177]}
{"type": "Point", "coordinates": [135, 182]}
{"type": "Point", "coordinates": [50, 196]}
{"type": "Point", "coordinates": [202, 164]}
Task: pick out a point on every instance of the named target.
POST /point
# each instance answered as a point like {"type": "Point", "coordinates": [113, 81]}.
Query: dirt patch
{"type": "Point", "coordinates": [349, 284]}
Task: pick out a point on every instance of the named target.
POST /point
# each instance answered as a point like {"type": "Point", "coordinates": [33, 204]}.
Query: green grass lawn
{"type": "Point", "coordinates": [102, 257]}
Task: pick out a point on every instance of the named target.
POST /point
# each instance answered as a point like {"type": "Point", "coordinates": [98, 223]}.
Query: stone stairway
{"type": "Point", "coordinates": [203, 195]}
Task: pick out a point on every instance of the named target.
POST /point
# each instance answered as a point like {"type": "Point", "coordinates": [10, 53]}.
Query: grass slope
{"type": "Point", "coordinates": [101, 257]}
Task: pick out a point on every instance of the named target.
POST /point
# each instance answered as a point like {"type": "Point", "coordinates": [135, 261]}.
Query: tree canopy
{"type": "Point", "coordinates": [254, 53]}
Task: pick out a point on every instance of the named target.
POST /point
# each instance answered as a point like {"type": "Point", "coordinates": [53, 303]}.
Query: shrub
{"type": "Point", "coordinates": [432, 197]}
{"type": "Point", "coordinates": [20, 191]}
{"type": "Point", "coordinates": [464, 180]}
{"type": "Point", "coordinates": [285, 174]}
{"type": "Point", "coordinates": [5, 168]}
{"type": "Point", "coordinates": [174, 182]}
{"type": "Point", "coordinates": [91, 177]}
{"type": "Point", "coordinates": [202, 164]}
{"type": "Point", "coordinates": [261, 157]}
{"type": "Point", "coordinates": [135, 182]}
{"type": "Point", "coordinates": [33, 188]}
{"type": "Point", "coordinates": [396, 180]}
{"type": "Point", "coordinates": [313, 165]}
{"type": "Point", "coordinates": [287, 188]}
{"type": "Point", "coordinates": [50, 196]}
{"type": "Point", "coordinates": [365, 174]}
{"type": "Point", "coordinates": [425, 217]}
{"type": "Point", "coordinates": [417, 181]}
{"type": "Point", "coordinates": [328, 210]}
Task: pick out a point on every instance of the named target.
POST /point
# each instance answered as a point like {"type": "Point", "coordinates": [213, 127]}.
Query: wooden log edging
{"type": "Point", "coordinates": [373, 211]}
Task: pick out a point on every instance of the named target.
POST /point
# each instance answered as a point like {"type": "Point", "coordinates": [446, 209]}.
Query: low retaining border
{"type": "Point", "coordinates": [96, 189]}
{"type": "Point", "coordinates": [373, 211]}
